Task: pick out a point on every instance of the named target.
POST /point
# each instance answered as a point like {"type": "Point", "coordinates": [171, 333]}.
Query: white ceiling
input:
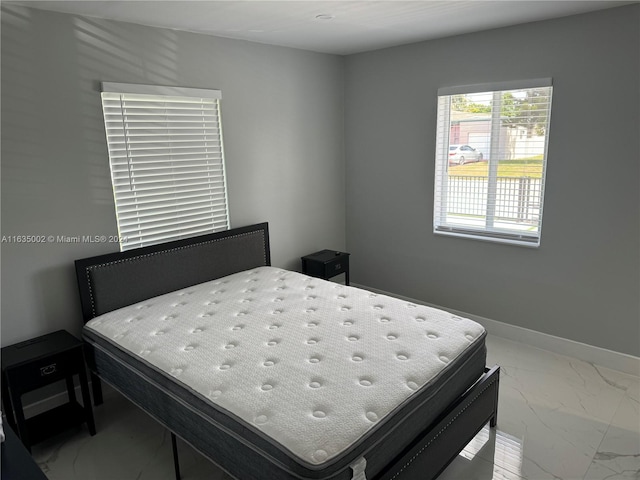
{"type": "Point", "coordinates": [356, 26]}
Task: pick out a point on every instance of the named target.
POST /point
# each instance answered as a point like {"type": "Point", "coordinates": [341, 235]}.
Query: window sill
{"type": "Point", "coordinates": [519, 242]}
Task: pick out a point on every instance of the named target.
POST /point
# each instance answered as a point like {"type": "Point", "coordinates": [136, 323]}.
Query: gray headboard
{"type": "Point", "coordinates": [115, 280]}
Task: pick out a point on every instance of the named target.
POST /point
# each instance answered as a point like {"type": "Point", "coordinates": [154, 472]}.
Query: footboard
{"type": "Point", "coordinates": [430, 453]}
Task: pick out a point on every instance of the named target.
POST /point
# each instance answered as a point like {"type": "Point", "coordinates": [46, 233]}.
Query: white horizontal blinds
{"type": "Point", "coordinates": [167, 163]}
{"type": "Point", "coordinates": [491, 149]}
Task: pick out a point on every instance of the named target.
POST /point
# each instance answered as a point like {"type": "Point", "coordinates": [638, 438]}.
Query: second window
{"type": "Point", "coordinates": [491, 156]}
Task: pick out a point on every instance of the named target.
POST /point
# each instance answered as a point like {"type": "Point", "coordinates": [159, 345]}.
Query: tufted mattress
{"type": "Point", "coordinates": [301, 376]}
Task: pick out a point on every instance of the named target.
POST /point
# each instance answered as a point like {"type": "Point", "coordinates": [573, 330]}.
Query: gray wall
{"type": "Point", "coordinates": [286, 118]}
{"type": "Point", "coordinates": [583, 282]}
{"type": "Point", "coordinates": [283, 132]}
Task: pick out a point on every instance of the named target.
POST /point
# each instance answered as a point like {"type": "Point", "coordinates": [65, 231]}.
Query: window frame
{"type": "Point", "coordinates": [488, 232]}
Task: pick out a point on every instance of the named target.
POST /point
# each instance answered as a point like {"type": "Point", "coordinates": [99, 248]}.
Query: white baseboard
{"type": "Point", "coordinates": [48, 403]}
{"type": "Point", "coordinates": [57, 399]}
{"type": "Point", "coordinates": [589, 353]}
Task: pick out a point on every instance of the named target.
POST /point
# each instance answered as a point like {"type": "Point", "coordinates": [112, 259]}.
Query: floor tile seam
{"type": "Point", "coordinates": [593, 449]}
{"type": "Point", "coordinates": [603, 465]}
{"type": "Point", "coordinates": [605, 419]}
{"type": "Point", "coordinates": [604, 435]}
{"type": "Point", "coordinates": [619, 408]}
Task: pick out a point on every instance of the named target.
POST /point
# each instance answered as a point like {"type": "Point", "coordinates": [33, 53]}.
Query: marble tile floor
{"type": "Point", "coordinates": [558, 418]}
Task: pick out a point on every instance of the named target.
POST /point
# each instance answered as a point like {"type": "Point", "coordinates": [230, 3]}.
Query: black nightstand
{"type": "Point", "coordinates": [30, 365]}
{"type": "Point", "coordinates": [326, 264]}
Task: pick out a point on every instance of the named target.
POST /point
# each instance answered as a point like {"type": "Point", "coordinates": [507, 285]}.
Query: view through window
{"type": "Point", "coordinates": [491, 155]}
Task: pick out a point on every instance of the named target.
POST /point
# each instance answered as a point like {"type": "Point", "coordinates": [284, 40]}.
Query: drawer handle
{"type": "Point", "coordinates": [48, 370]}
{"type": "Point", "coordinates": [338, 266]}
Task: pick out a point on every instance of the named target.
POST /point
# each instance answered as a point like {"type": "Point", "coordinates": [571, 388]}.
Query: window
{"type": "Point", "coordinates": [491, 157]}
{"type": "Point", "coordinates": [167, 162]}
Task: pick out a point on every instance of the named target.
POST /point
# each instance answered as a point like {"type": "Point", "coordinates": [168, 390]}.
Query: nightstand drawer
{"type": "Point", "coordinates": [44, 371]}
{"type": "Point", "coordinates": [334, 267]}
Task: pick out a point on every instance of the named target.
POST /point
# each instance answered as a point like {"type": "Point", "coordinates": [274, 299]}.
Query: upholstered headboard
{"type": "Point", "coordinates": [115, 280]}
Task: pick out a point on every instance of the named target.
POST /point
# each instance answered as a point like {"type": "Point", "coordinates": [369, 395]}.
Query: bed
{"type": "Point", "coordinates": [272, 374]}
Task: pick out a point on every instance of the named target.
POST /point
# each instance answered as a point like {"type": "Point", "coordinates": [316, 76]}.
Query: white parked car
{"type": "Point", "coordinates": [461, 154]}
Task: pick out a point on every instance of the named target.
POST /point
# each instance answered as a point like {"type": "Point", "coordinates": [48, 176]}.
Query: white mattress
{"type": "Point", "coordinates": [312, 364]}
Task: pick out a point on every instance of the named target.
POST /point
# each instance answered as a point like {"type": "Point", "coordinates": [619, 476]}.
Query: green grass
{"type": "Point", "coordinates": [519, 167]}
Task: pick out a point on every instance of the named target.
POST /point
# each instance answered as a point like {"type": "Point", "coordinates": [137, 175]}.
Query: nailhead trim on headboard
{"type": "Point", "coordinates": [163, 252]}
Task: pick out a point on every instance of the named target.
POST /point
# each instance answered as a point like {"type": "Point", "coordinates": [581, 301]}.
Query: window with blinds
{"type": "Point", "coordinates": [491, 157]}
{"type": "Point", "coordinates": [167, 162]}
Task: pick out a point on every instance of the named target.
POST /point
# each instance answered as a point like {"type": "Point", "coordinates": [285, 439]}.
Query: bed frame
{"type": "Point", "coordinates": [112, 281]}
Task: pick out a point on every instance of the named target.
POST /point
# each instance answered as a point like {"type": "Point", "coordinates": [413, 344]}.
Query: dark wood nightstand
{"type": "Point", "coordinates": [326, 264]}
{"type": "Point", "coordinates": [35, 363]}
